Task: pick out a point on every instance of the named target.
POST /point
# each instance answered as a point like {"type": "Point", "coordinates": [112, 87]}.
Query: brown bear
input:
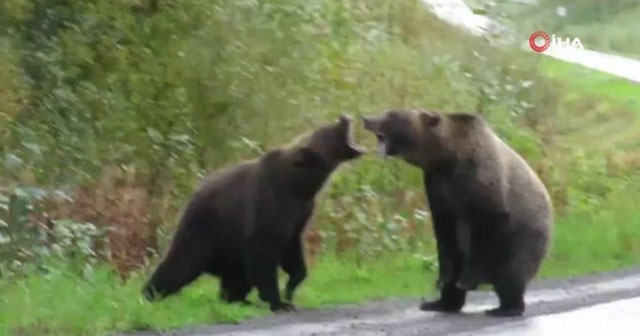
{"type": "Point", "coordinates": [247, 220]}
{"type": "Point", "coordinates": [491, 214]}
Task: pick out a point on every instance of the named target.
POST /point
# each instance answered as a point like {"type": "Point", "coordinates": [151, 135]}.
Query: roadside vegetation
{"type": "Point", "coordinates": [110, 113]}
{"type": "Point", "coordinates": [607, 26]}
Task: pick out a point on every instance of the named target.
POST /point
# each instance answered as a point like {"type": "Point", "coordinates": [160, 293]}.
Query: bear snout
{"type": "Point", "coordinates": [371, 124]}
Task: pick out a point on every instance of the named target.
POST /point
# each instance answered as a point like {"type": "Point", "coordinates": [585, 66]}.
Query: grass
{"type": "Point", "coordinates": [101, 303]}
{"type": "Point", "coordinates": [584, 82]}
{"type": "Point", "coordinates": [597, 238]}
{"type": "Point", "coordinates": [597, 106]}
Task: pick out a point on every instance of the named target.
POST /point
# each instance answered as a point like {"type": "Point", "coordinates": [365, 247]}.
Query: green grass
{"type": "Point", "coordinates": [585, 82]}
{"type": "Point", "coordinates": [595, 106]}
{"type": "Point", "coordinates": [597, 237]}
{"type": "Point", "coordinates": [603, 114]}
{"type": "Point", "coordinates": [66, 304]}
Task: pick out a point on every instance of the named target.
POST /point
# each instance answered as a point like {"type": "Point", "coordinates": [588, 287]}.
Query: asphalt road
{"type": "Point", "coordinates": [567, 306]}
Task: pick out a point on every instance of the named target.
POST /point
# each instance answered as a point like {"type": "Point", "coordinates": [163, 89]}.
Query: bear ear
{"type": "Point", "coordinates": [305, 158]}
{"type": "Point", "coordinates": [430, 119]}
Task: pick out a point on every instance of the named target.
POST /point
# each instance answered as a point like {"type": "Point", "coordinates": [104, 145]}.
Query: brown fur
{"type": "Point", "coordinates": [245, 221]}
{"type": "Point", "coordinates": [492, 215]}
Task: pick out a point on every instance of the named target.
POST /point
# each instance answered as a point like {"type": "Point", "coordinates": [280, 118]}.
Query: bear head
{"type": "Point", "coordinates": [419, 137]}
{"type": "Point", "coordinates": [327, 146]}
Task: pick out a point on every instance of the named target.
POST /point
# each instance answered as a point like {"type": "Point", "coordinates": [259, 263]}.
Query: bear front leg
{"type": "Point", "coordinates": [479, 237]}
{"type": "Point", "coordinates": [262, 269]}
{"type": "Point", "coordinates": [470, 276]}
{"type": "Point", "coordinates": [451, 261]}
{"type": "Point", "coordinates": [183, 264]}
{"type": "Point", "coordinates": [294, 265]}
{"type": "Point", "coordinates": [445, 269]}
{"type": "Point", "coordinates": [445, 246]}
{"type": "Point", "coordinates": [452, 298]}
{"type": "Point", "coordinates": [293, 261]}
{"type": "Point", "coordinates": [234, 287]}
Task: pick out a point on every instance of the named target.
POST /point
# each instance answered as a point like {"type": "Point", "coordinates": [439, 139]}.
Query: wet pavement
{"type": "Point", "coordinates": [586, 305]}
{"type": "Point", "coordinates": [620, 318]}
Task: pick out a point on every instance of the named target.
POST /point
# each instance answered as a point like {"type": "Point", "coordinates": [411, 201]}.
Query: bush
{"type": "Point", "coordinates": [25, 242]}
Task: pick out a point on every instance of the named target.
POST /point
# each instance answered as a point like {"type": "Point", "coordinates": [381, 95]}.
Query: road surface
{"type": "Point", "coordinates": [598, 304]}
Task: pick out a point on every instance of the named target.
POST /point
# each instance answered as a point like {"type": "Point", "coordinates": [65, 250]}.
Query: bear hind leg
{"type": "Point", "coordinates": [262, 270]}
{"type": "Point", "coordinates": [294, 265]}
{"type": "Point", "coordinates": [511, 295]}
{"type": "Point", "coordinates": [451, 300]}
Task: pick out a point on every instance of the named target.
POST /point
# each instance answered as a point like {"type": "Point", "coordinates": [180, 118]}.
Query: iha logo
{"type": "Point", "coordinates": [541, 41]}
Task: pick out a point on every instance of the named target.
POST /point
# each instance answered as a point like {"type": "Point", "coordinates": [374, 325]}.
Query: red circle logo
{"type": "Point", "coordinates": [539, 47]}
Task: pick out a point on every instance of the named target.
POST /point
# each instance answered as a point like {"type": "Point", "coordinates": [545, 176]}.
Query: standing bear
{"type": "Point", "coordinates": [491, 214]}
{"type": "Point", "coordinates": [247, 220]}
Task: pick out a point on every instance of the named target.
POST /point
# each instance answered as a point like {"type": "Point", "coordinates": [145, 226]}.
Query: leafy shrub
{"type": "Point", "coordinates": [25, 242]}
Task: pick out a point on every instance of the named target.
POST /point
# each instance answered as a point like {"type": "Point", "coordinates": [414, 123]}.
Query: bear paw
{"type": "Point", "coordinates": [282, 307]}
{"type": "Point", "coordinates": [505, 312]}
{"type": "Point", "coordinates": [440, 306]}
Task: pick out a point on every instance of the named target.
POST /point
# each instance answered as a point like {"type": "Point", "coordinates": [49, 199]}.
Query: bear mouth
{"type": "Point", "coordinates": [382, 144]}
{"type": "Point", "coordinates": [350, 138]}
{"type": "Point", "coordinates": [372, 124]}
